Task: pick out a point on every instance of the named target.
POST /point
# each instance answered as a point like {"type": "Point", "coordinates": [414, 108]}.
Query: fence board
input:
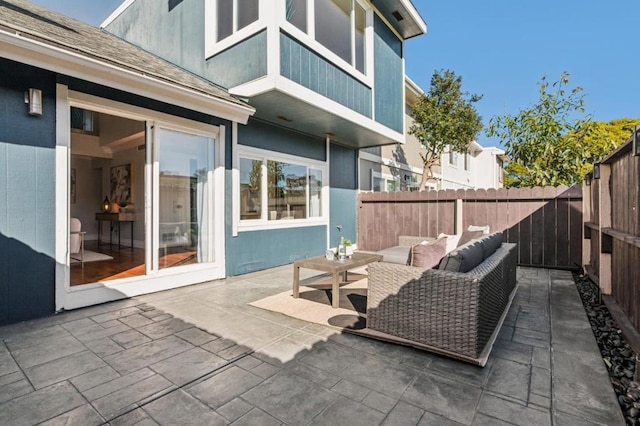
{"type": "Point", "coordinates": [531, 218]}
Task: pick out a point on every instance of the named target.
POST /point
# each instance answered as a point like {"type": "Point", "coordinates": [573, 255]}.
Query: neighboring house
{"type": "Point", "coordinates": [207, 184]}
{"type": "Point", "coordinates": [478, 168]}
{"type": "Point", "coordinates": [326, 79]}
{"type": "Point", "coordinates": [398, 167]}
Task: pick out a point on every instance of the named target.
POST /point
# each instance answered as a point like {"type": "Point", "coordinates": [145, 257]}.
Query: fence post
{"type": "Point", "coordinates": [586, 217]}
{"type": "Point", "coordinates": [604, 221]}
{"type": "Point", "coordinates": [458, 212]}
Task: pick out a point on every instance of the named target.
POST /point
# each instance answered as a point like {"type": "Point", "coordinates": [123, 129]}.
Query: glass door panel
{"type": "Point", "coordinates": [185, 204]}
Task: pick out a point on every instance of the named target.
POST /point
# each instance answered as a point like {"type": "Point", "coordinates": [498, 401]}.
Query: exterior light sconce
{"type": "Point", "coordinates": [636, 141]}
{"type": "Point", "coordinates": [596, 170]}
{"type": "Point", "coordinates": [587, 179]}
{"type": "Point", "coordinates": [33, 97]}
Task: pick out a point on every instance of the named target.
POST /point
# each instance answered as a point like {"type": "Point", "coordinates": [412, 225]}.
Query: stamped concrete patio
{"type": "Point", "coordinates": [200, 355]}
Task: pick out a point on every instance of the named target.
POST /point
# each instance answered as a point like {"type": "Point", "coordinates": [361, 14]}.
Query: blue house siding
{"type": "Point", "coordinates": [343, 194]}
{"type": "Point", "coordinates": [388, 77]}
{"type": "Point", "coordinates": [257, 250]}
{"type": "Point", "coordinates": [173, 33]}
{"type": "Point", "coordinates": [307, 68]}
{"type": "Point", "coordinates": [27, 195]}
{"type": "Point", "coordinates": [244, 62]}
{"type": "Point", "coordinates": [177, 34]}
{"type": "Point", "coordinates": [259, 134]}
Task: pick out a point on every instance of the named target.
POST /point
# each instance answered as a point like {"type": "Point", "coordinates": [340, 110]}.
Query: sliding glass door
{"type": "Point", "coordinates": [184, 210]}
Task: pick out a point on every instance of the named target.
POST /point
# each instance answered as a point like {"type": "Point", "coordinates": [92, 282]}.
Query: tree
{"type": "Point", "coordinates": [543, 141]}
{"type": "Point", "coordinates": [598, 138]}
{"type": "Point", "coordinates": [444, 117]}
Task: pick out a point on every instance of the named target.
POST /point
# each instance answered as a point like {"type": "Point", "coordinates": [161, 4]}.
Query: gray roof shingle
{"type": "Point", "coordinates": [39, 24]}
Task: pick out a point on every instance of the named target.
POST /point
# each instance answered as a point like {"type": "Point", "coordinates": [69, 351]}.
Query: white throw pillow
{"type": "Point", "coordinates": [484, 229]}
{"type": "Point", "coordinates": [452, 241]}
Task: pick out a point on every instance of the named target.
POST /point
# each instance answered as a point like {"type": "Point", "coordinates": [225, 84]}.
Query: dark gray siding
{"type": "Point", "coordinates": [307, 68]}
{"type": "Point", "coordinates": [388, 77]}
{"type": "Point", "coordinates": [175, 31]}
{"type": "Point", "coordinates": [27, 195]}
{"type": "Point", "coordinates": [343, 194]}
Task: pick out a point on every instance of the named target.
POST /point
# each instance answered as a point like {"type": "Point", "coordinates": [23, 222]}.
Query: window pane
{"type": "Point", "coordinates": [315, 193]}
{"type": "Point", "coordinates": [225, 18]}
{"type": "Point", "coordinates": [360, 47]}
{"type": "Point", "coordinates": [377, 184]}
{"type": "Point", "coordinates": [247, 12]}
{"type": "Point", "coordinates": [250, 189]}
{"type": "Point", "coordinates": [186, 179]}
{"type": "Point", "coordinates": [333, 26]}
{"type": "Point", "coordinates": [287, 184]}
{"type": "Point", "coordinates": [297, 13]}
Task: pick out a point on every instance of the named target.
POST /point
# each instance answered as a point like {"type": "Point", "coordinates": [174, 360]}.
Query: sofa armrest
{"type": "Point", "coordinates": [428, 306]}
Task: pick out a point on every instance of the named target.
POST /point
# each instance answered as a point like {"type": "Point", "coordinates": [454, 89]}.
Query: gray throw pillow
{"type": "Point", "coordinates": [463, 259]}
{"type": "Point", "coordinates": [490, 244]}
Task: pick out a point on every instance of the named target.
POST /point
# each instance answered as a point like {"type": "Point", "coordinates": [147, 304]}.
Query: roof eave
{"type": "Point", "coordinates": [42, 55]}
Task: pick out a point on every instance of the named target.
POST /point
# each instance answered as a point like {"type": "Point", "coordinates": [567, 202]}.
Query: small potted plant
{"type": "Point", "coordinates": [348, 247]}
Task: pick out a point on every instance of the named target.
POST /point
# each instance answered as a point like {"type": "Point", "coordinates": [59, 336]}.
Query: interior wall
{"type": "Point", "coordinates": [136, 158]}
{"type": "Point", "coordinates": [88, 201]}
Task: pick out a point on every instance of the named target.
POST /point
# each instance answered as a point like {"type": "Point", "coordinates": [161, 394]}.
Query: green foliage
{"type": "Point", "coordinates": [445, 116]}
{"type": "Point", "coordinates": [536, 138]}
{"type": "Point", "coordinates": [598, 138]}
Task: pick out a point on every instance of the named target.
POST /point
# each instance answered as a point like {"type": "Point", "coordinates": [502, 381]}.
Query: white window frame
{"type": "Point", "coordinates": [212, 45]}
{"type": "Point", "coordinates": [467, 161]}
{"type": "Point", "coordinates": [386, 178]}
{"type": "Point", "coordinates": [453, 158]}
{"type": "Point", "coordinates": [264, 223]}
{"type": "Point", "coordinates": [309, 39]}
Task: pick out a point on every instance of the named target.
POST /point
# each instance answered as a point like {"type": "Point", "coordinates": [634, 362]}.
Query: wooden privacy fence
{"type": "Point", "coordinates": [545, 222]}
{"type": "Point", "coordinates": [612, 230]}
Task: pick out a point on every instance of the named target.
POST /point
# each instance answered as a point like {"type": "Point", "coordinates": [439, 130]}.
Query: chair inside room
{"type": "Point", "coordinates": [76, 240]}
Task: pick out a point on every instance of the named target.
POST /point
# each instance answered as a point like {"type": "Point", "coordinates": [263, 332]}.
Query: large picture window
{"type": "Point", "coordinates": [234, 15]}
{"type": "Point", "coordinates": [273, 191]}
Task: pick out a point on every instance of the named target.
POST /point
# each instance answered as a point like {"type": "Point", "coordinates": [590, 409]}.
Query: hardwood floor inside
{"type": "Point", "coordinates": [126, 262]}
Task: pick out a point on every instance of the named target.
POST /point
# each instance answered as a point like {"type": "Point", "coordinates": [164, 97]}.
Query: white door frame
{"type": "Point", "coordinates": [155, 280]}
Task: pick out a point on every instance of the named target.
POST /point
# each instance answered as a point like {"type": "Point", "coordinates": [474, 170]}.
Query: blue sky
{"type": "Point", "coordinates": [502, 48]}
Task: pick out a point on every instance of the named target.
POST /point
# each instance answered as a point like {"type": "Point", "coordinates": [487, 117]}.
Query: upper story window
{"type": "Point", "coordinates": [234, 15]}
{"type": "Point", "coordinates": [339, 25]}
{"type": "Point", "coordinates": [467, 161]}
{"type": "Point", "coordinates": [453, 157]}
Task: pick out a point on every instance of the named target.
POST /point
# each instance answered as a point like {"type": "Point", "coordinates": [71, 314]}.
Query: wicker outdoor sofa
{"type": "Point", "coordinates": [457, 314]}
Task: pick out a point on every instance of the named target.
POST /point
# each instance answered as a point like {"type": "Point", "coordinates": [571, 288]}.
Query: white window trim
{"type": "Point", "coordinates": [211, 45]}
{"type": "Point", "coordinates": [386, 178]}
{"type": "Point", "coordinates": [310, 41]}
{"type": "Point", "coordinates": [264, 223]}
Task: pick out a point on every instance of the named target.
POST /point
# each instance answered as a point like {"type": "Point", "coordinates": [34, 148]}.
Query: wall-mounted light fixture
{"type": "Point", "coordinates": [596, 170]}
{"type": "Point", "coordinates": [636, 141]}
{"type": "Point", "coordinates": [587, 179]}
{"type": "Point", "coordinates": [33, 97]}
